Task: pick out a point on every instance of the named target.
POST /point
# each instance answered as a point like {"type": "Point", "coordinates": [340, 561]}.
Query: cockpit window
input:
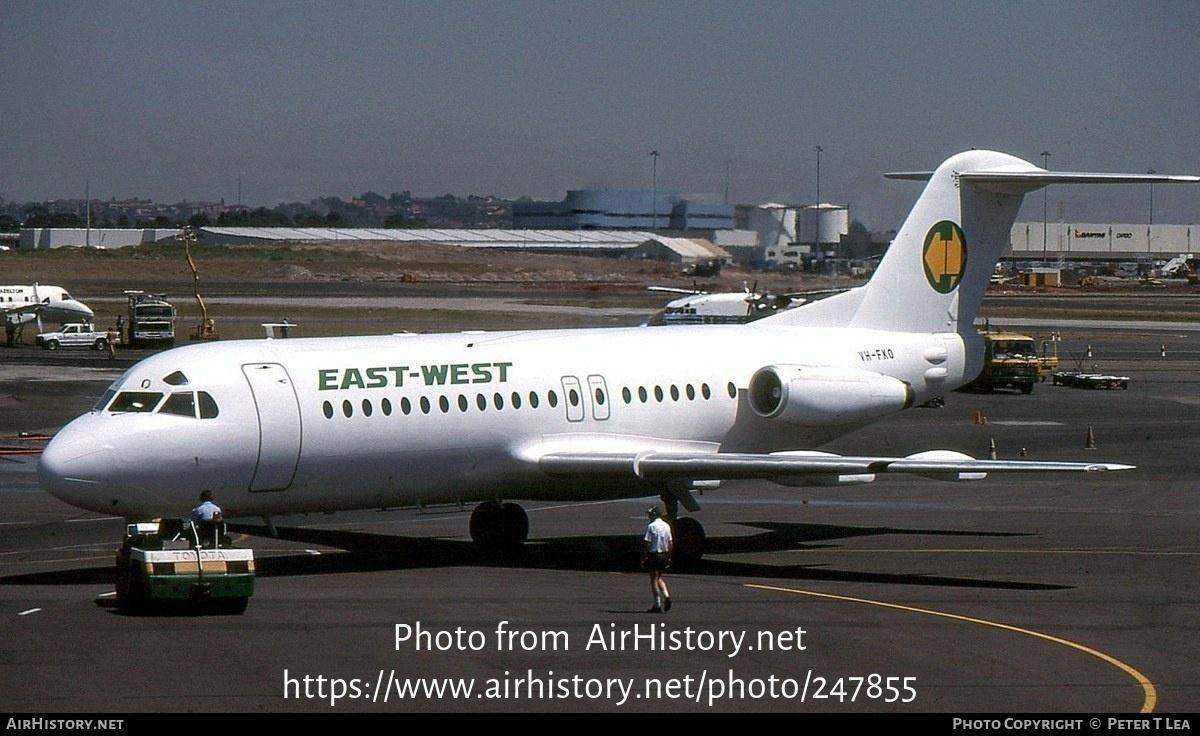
{"type": "Point", "coordinates": [135, 401]}
{"type": "Point", "coordinates": [208, 406]}
{"type": "Point", "coordinates": [176, 379]}
{"type": "Point", "coordinates": [182, 403]}
{"type": "Point", "coordinates": [103, 402]}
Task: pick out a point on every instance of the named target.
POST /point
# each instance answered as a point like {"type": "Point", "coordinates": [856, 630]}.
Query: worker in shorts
{"type": "Point", "coordinates": [657, 558]}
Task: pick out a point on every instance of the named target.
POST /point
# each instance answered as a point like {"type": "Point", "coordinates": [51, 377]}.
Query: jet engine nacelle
{"type": "Point", "coordinates": [822, 395]}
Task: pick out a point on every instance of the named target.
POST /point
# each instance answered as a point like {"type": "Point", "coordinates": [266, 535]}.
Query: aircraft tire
{"type": "Point", "coordinates": [515, 525]}
{"type": "Point", "coordinates": [689, 542]}
{"type": "Point", "coordinates": [499, 527]}
{"type": "Point", "coordinates": [485, 520]}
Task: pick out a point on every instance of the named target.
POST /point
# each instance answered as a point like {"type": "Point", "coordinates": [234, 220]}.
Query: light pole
{"type": "Point", "coordinates": [1150, 226]}
{"type": "Point", "coordinates": [727, 164]}
{"type": "Point", "coordinates": [654, 191]}
{"type": "Point", "coordinates": [818, 149]}
{"type": "Point", "coordinates": [817, 212]}
{"type": "Point", "coordinates": [1045, 204]}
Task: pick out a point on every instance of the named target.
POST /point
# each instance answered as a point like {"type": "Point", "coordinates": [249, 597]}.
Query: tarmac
{"type": "Point", "coordinates": [1048, 594]}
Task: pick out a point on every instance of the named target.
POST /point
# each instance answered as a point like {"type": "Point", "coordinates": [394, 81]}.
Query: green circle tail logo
{"type": "Point", "coordinates": [944, 256]}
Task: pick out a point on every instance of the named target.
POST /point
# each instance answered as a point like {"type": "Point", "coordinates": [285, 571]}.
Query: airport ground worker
{"type": "Point", "coordinates": [207, 510]}
{"type": "Point", "coordinates": [205, 521]}
{"type": "Point", "coordinates": [657, 558]}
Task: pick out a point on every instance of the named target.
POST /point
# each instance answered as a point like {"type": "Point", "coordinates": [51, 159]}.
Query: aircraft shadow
{"type": "Point", "coordinates": [371, 552]}
{"type": "Point", "coordinates": [367, 552]}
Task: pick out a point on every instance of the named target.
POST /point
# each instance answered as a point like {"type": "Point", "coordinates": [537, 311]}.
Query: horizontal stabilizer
{"type": "Point", "coordinates": [1032, 178]}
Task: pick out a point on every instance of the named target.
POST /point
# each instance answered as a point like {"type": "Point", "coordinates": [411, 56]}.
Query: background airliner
{"type": "Point", "coordinates": [323, 424]}
{"type": "Point", "coordinates": [49, 304]}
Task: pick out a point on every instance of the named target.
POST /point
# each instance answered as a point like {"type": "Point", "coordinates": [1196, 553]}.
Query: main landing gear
{"type": "Point", "coordinates": [689, 541]}
{"type": "Point", "coordinates": [504, 527]}
{"type": "Point", "coordinates": [499, 526]}
{"type": "Point", "coordinates": [687, 533]}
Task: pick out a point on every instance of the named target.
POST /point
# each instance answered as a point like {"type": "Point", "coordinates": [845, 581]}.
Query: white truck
{"type": "Point", "coordinates": [76, 335]}
{"type": "Point", "coordinates": [151, 320]}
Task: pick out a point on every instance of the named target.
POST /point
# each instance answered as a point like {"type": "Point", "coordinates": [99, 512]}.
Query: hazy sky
{"type": "Point", "coordinates": [176, 100]}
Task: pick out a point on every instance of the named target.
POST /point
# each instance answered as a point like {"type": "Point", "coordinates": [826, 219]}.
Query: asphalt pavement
{"type": "Point", "coordinates": [1023, 594]}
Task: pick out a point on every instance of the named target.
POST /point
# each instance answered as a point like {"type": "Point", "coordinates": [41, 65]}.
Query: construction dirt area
{"type": "Point", "coordinates": [372, 287]}
{"type": "Point", "coordinates": [378, 287]}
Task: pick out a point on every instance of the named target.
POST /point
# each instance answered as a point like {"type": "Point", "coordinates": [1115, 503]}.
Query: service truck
{"type": "Point", "coordinates": [180, 564]}
{"type": "Point", "coordinates": [77, 335]}
{"type": "Point", "coordinates": [151, 320]}
{"type": "Point", "coordinates": [1010, 360]}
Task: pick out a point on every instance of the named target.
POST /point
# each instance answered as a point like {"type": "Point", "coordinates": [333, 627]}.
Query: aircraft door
{"type": "Point", "coordinates": [599, 397]}
{"type": "Point", "coordinates": [572, 398]}
{"type": "Point", "coordinates": [279, 432]}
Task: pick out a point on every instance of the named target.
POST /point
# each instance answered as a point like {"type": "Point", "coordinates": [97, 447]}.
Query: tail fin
{"type": "Point", "coordinates": [934, 274]}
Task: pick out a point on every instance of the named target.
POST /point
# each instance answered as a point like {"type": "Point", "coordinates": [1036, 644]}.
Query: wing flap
{"type": "Point", "coordinates": [732, 466]}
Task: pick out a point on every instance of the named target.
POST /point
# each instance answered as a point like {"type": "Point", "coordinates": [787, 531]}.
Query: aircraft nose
{"type": "Point", "coordinates": [77, 468]}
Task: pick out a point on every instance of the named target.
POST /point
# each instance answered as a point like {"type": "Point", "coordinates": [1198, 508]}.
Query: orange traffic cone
{"type": "Point", "coordinates": [979, 417]}
{"type": "Point", "coordinates": [1090, 443]}
{"type": "Point", "coordinates": [992, 449]}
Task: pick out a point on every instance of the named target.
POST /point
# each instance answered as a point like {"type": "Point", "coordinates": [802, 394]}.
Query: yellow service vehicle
{"type": "Point", "coordinates": [1010, 360]}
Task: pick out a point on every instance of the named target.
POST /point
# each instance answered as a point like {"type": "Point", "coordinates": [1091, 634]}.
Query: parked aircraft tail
{"type": "Point", "coordinates": [934, 273]}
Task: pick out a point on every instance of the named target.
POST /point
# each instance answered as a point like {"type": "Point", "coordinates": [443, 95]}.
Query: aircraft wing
{"type": "Point", "coordinates": [792, 467]}
{"type": "Point", "coordinates": [21, 308]}
{"type": "Point", "coordinates": [673, 290]}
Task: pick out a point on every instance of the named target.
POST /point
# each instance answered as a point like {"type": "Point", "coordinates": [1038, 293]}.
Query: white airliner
{"type": "Point", "coordinates": [325, 424]}
{"type": "Point", "coordinates": [39, 302]}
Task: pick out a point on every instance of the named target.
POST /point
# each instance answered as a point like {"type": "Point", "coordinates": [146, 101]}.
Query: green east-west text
{"type": "Point", "coordinates": [395, 376]}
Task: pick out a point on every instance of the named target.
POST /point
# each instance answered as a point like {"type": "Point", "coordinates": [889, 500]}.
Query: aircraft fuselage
{"type": "Point", "coordinates": [303, 425]}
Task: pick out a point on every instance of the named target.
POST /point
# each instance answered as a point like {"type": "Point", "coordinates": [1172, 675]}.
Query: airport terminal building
{"type": "Point", "coordinates": [609, 209]}
{"type": "Point", "coordinates": [1083, 241]}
